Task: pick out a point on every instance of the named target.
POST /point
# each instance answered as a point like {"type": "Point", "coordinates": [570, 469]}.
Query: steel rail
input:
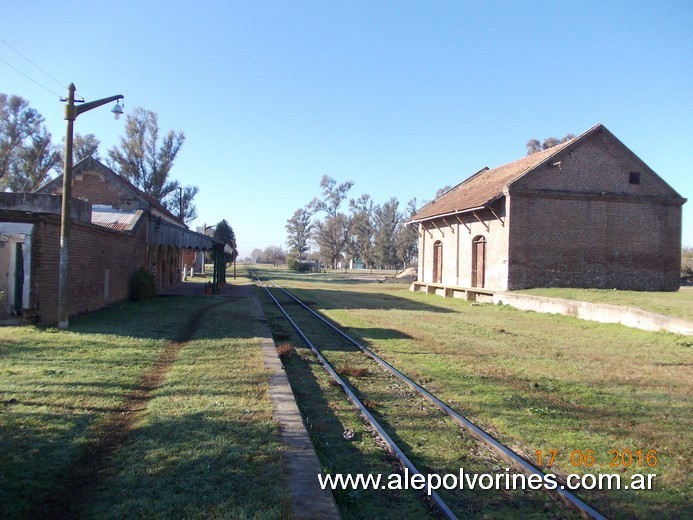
{"type": "Point", "coordinates": [439, 502]}
{"type": "Point", "coordinates": [507, 454]}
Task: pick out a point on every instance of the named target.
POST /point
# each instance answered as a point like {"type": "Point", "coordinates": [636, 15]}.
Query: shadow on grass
{"type": "Point", "coordinates": [338, 455]}
{"type": "Point", "coordinates": [72, 397]}
{"type": "Point", "coordinates": [515, 400]}
{"type": "Point", "coordinates": [171, 318]}
{"type": "Point", "coordinates": [371, 333]}
{"type": "Point", "coordinates": [347, 299]}
{"type": "Point", "coordinates": [194, 465]}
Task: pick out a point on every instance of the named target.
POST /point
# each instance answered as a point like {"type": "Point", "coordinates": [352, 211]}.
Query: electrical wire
{"type": "Point", "coordinates": [29, 78]}
{"type": "Point", "coordinates": [35, 65]}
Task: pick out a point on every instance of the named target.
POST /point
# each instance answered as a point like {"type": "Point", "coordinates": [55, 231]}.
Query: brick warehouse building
{"type": "Point", "coordinates": [116, 231]}
{"type": "Point", "coordinates": [586, 213]}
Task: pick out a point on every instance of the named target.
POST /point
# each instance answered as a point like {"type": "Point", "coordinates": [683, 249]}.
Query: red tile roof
{"type": "Point", "coordinates": [487, 185]}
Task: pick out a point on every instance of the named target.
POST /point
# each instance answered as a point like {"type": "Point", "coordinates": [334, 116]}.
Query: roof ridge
{"type": "Point", "coordinates": [487, 184]}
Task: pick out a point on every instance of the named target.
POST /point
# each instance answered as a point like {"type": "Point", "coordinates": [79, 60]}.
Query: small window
{"type": "Point", "coordinates": [634, 177]}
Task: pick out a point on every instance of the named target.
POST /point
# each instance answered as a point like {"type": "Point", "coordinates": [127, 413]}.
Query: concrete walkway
{"type": "Point", "coordinates": [308, 500]}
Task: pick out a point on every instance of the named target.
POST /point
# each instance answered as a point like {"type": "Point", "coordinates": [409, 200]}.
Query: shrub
{"type": "Point", "coordinates": [347, 370]}
{"type": "Point", "coordinates": [142, 286]}
{"type": "Point", "coordinates": [284, 350]}
{"type": "Point", "coordinates": [299, 265]}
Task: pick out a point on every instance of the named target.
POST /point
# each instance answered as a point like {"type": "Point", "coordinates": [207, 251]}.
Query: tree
{"type": "Point", "coordinates": [298, 228]}
{"type": "Point", "coordinates": [33, 163]}
{"type": "Point", "coordinates": [332, 196]}
{"type": "Point", "coordinates": [26, 152]}
{"type": "Point", "coordinates": [84, 146]}
{"type": "Point", "coordinates": [186, 208]}
{"type": "Point", "coordinates": [272, 255]}
{"type": "Point", "coordinates": [386, 219]}
{"type": "Point", "coordinates": [407, 238]}
{"type": "Point", "coordinates": [534, 146]}
{"type": "Point", "coordinates": [442, 190]}
{"type": "Point", "coordinates": [256, 255]}
{"type": "Point", "coordinates": [225, 233]}
{"type": "Point", "coordinates": [360, 242]}
{"type": "Point", "coordinates": [331, 236]}
{"type": "Point", "coordinates": [146, 161]}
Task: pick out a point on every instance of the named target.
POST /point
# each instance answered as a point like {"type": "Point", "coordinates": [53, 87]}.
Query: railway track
{"type": "Point", "coordinates": [347, 361]}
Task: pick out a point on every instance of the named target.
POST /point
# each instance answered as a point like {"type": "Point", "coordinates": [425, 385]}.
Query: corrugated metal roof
{"type": "Point", "coordinates": [116, 219]}
{"type": "Point", "coordinates": [165, 234]}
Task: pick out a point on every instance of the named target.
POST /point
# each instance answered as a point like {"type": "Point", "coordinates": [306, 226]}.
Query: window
{"type": "Point", "coordinates": [634, 177]}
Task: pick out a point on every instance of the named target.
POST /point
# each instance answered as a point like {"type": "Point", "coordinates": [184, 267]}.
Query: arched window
{"type": "Point", "coordinates": [437, 262]}
{"type": "Point", "coordinates": [478, 261]}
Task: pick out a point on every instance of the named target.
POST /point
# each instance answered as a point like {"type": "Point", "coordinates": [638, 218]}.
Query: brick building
{"type": "Point", "coordinates": [116, 230]}
{"type": "Point", "coordinates": [586, 213]}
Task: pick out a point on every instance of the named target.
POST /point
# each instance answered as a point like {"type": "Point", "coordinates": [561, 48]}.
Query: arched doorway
{"type": "Point", "coordinates": [478, 261]}
{"type": "Point", "coordinates": [438, 262]}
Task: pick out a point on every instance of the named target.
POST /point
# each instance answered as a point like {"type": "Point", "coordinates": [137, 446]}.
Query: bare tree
{"type": "Point", "coordinates": [146, 161]}
{"type": "Point", "coordinates": [332, 196]}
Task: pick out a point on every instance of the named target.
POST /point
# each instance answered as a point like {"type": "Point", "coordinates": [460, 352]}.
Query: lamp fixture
{"type": "Point", "coordinates": [117, 110]}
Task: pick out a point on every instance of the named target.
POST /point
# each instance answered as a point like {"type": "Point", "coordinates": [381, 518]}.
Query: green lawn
{"type": "Point", "coordinates": [199, 444]}
{"type": "Point", "coordinates": [679, 303]}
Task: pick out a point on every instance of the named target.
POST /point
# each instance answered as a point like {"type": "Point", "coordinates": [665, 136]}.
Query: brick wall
{"type": "Point", "coordinates": [583, 223]}
{"type": "Point", "coordinates": [100, 265]}
{"type": "Point", "coordinates": [456, 238]}
{"type": "Point", "coordinates": [594, 243]}
{"type": "Point", "coordinates": [93, 186]}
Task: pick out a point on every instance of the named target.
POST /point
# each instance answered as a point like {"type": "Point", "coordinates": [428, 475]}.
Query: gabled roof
{"type": "Point", "coordinates": [487, 185]}
{"type": "Point", "coordinates": [89, 163]}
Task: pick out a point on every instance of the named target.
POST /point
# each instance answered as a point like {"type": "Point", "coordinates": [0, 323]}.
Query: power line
{"type": "Point", "coordinates": [35, 65]}
{"type": "Point", "coordinates": [29, 78]}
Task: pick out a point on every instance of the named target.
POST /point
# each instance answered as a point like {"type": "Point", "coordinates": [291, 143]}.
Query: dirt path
{"type": "Point", "coordinates": [68, 499]}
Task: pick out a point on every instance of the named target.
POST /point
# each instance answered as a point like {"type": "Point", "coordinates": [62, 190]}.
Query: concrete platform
{"type": "Point", "coordinates": [308, 500]}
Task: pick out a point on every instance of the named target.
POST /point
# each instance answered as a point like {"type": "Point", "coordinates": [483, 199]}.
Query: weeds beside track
{"type": "Point", "coordinates": [376, 388]}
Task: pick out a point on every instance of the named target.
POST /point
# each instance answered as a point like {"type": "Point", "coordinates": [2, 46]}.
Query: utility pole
{"type": "Point", "coordinates": [71, 113]}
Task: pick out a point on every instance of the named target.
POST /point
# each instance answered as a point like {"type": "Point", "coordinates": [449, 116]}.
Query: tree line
{"type": "Point", "coordinates": [29, 158]}
{"type": "Point", "coordinates": [347, 229]}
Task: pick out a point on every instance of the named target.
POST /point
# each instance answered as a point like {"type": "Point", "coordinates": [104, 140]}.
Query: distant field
{"type": "Point", "coordinates": [679, 304]}
{"type": "Point", "coordinates": [538, 382]}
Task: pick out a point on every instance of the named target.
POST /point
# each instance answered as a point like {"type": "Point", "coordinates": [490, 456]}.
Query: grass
{"type": "Point", "coordinates": [678, 304]}
{"type": "Point", "coordinates": [538, 382]}
{"type": "Point", "coordinates": [327, 415]}
{"type": "Point", "coordinates": [427, 436]}
{"type": "Point", "coordinates": [199, 444]}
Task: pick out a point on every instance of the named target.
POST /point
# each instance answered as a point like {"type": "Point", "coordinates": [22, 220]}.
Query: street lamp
{"type": "Point", "coordinates": [71, 113]}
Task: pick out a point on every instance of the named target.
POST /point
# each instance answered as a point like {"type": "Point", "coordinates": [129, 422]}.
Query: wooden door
{"type": "Point", "coordinates": [478, 261]}
{"type": "Point", "coordinates": [438, 262]}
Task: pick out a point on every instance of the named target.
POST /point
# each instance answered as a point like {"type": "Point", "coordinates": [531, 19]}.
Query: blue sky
{"type": "Point", "coordinates": [401, 97]}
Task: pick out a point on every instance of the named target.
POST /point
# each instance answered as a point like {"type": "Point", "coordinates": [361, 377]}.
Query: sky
{"type": "Point", "coordinates": [400, 97]}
